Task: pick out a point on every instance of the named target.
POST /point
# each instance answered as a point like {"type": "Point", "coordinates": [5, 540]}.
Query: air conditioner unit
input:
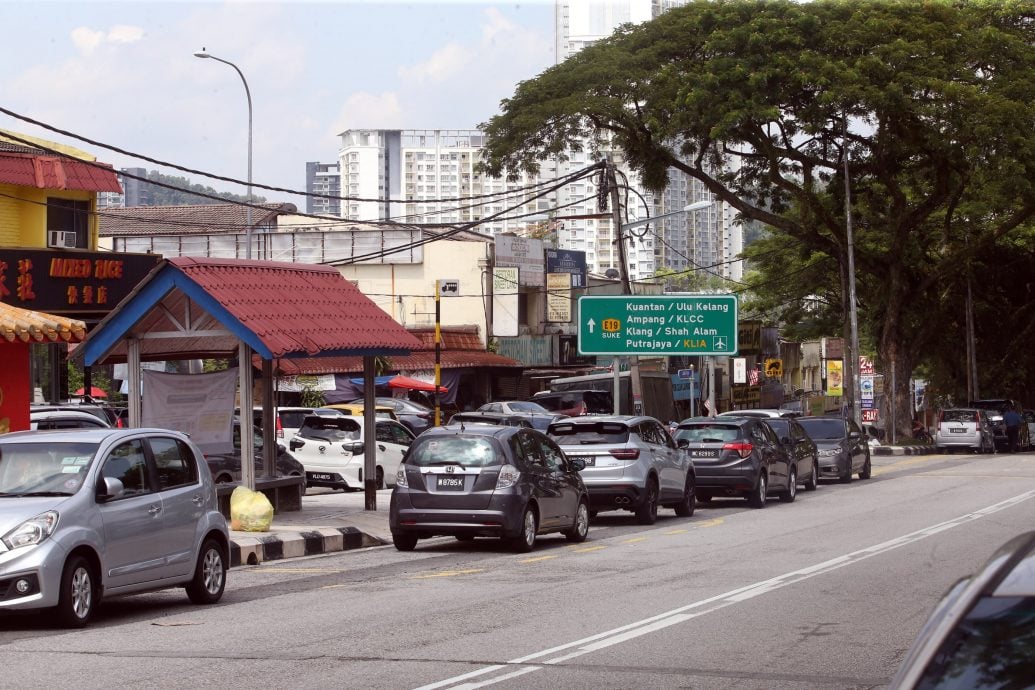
{"type": "Point", "coordinates": [63, 239]}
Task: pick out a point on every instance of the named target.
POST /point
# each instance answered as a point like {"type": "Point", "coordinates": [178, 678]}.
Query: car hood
{"type": "Point", "coordinates": [14, 511]}
{"type": "Point", "coordinates": [828, 443]}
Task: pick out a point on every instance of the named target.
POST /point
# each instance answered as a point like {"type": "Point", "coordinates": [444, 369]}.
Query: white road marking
{"type": "Point", "coordinates": [700, 608]}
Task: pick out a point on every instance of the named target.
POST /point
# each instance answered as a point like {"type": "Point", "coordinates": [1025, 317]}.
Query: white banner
{"type": "Point", "coordinates": [298, 384]}
{"type": "Point", "coordinates": [199, 405]}
{"type": "Point", "coordinates": [558, 297]}
{"type": "Point", "coordinates": [504, 301]}
{"type": "Point", "coordinates": [739, 370]}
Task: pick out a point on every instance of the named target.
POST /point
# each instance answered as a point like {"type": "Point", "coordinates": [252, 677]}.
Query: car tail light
{"type": "Point", "coordinates": [118, 422]}
{"type": "Point", "coordinates": [626, 453]}
{"type": "Point", "coordinates": [400, 477]}
{"type": "Point", "coordinates": [280, 428]}
{"type": "Point", "coordinates": [743, 449]}
{"type": "Point", "coordinates": [509, 476]}
{"type": "Point", "coordinates": [938, 426]}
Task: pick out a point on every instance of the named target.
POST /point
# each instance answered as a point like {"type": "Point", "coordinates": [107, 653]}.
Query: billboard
{"type": "Point", "coordinates": [505, 301]}
{"type": "Point", "coordinates": [835, 377]}
{"type": "Point", "coordinates": [522, 253]}
{"type": "Point", "coordinates": [568, 261]}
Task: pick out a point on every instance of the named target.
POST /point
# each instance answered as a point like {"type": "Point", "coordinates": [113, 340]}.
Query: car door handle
{"type": "Point", "coordinates": [198, 500]}
{"type": "Point", "coordinates": [380, 447]}
{"type": "Point", "coordinates": [154, 510]}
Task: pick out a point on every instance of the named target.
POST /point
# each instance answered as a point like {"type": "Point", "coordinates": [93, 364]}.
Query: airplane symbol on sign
{"type": "Point", "coordinates": [719, 343]}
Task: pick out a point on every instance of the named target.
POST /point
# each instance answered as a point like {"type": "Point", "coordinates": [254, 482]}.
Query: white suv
{"type": "Point", "coordinates": [631, 463]}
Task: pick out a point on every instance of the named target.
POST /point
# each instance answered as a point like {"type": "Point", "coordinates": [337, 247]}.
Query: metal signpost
{"type": "Point", "coordinates": [656, 325]}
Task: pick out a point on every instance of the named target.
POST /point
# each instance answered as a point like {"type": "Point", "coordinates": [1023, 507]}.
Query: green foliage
{"type": "Point", "coordinates": [929, 106]}
{"type": "Point", "coordinates": [163, 196]}
{"type": "Point", "coordinates": [311, 397]}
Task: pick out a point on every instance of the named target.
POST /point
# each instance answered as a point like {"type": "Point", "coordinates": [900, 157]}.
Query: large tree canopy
{"type": "Point", "coordinates": [932, 104]}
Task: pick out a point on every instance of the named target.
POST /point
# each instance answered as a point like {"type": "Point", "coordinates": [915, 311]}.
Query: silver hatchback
{"type": "Point", "coordinates": [966, 428]}
{"type": "Point", "coordinates": [86, 514]}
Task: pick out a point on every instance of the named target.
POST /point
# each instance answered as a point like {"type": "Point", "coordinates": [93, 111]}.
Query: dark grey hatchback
{"type": "Point", "coordinates": [487, 481]}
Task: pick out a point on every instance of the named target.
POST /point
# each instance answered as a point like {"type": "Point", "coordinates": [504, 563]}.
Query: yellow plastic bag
{"type": "Point", "coordinates": [250, 511]}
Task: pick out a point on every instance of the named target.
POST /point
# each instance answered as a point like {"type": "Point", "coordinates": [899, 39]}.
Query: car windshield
{"type": "Point", "coordinates": [330, 429]}
{"type": "Point", "coordinates": [467, 451]}
{"type": "Point", "coordinates": [570, 434]}
{"type": "Point", "coordinates": [824, 428]}
{"type": "Point", "coordinates": [527, 407]}
{"type": "Point", "coordinates": [36, 469]}
{"type": "Point", "coordinates": [708, 433]}
{"type": "Point", "coordinates": [959, 416]}
{"type": "Point", "coordinates": [993, 647]}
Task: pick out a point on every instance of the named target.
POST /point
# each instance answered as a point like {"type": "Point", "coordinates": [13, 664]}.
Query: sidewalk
{"type": "Point", "coordinates": [329, 521]}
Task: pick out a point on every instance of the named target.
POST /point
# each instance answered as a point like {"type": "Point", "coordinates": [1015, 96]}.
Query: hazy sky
{"type": "Point", "coordinates": [123, 73]}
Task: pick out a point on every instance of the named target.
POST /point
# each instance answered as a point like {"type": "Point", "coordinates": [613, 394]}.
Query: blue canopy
{"type": "Point", "coordinates": [378, 381]}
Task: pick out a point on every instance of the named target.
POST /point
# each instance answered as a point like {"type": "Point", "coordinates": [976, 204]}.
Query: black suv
{"type": "Point", "coordinates": [996, 407]}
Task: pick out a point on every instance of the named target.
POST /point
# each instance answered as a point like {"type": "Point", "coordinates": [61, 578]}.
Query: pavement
{"type": "Point", "coordinates": [329, 521]}
{"type": "Point", "coordinates": [332, 521]}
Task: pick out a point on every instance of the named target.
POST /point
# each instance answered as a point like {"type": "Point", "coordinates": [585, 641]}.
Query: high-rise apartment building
{"type": "Point", "coordinates": [136, 191]}
{"type": "Point", "coordinates": [323, 187]}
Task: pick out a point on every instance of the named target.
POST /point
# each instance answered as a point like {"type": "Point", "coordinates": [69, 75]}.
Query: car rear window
{"type": "Point", "coordinates": [466, 451]}
{"type": "Point", "coordinates": [330, 429]}
{"type": "Point", "coordinates": [823, 428]}
{"type": "Point", "coordinates": [708, 433]}
{"type": "Point", "coordinates": [292, 420]}
{"type": "Point", "coordinates": [556, 402]}
{"type": "Point", "coordinates": [568, 434]}
{"type": "Point", "coordinates": [959, 416]}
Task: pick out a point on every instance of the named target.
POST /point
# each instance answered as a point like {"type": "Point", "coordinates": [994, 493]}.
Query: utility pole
{"type": "Point", "coordinates": [853, 358]}
{"type": "Point", "coordinates": [438, 355]}
{"type": "Point", "coordinates": [634, 361]}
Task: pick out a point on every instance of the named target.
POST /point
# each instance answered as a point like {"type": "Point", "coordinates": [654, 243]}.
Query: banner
{"type": "Point", "coordinates": [835, 377]}
{"type": "Point", "coordinates": [739, 370]}
{"type": "Point", "coordinates": [504, 301]}
{"type": "Point", "coordinates": [298, 384]}
{"type": "Point", "coordinates": [199, 405]}
{"type": "Point", "coordinates": [558, 297]}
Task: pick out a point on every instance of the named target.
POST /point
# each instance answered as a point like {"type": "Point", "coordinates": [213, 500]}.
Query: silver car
{"type": "Point", "coordinates": [87, 514]}
{"type": "Point", "coordinates": [631, 463]}
{"type": "Point", "coordinates": [966, 428]}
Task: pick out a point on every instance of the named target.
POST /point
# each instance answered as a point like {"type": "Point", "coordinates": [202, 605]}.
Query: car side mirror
{"type": "Point", "coordinates": [109, 488]}
{"type": "Point", "coordinates": [578, 464]}
{"type": "Point", "coordinates": [682, 443]}
{"type": "Point", "coordinates": [296, 443]}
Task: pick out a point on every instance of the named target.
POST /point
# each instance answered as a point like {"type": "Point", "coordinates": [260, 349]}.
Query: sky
{"type": "Point", "coordinates": [124, 74]}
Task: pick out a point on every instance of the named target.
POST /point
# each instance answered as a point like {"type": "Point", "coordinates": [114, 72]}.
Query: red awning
{"type": "Point", "coordinates": [42, 171]}
{"type": "Point", "coordinates": [406, 383]}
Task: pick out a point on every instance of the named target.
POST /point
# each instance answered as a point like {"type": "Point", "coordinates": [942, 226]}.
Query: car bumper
{"type": "Point", "coordinates": [612, 496]}
{"type": "Point", "coordinates": [834, 465]}
{"type": "Point", "coordinates": [502, 518]}
{"type": "Point", "coordinates": [40, 567]}
{"type": "Point", "coordinates": [736, 476]}
{"type": "Point", "coordinates": [332, 480]}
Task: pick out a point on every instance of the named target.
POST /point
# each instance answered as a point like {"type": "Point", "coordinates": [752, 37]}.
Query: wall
{"type": "Point", "coordinates": [24, 223]}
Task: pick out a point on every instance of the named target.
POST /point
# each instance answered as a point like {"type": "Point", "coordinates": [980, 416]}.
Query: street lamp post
{"type": "Point", "coordinates": [247, 92]}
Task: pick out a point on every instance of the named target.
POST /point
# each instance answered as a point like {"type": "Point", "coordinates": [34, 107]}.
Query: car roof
{"type": "Point", "coordinates": [97, 435]}
{"type": "Point", "coordinates": [62, 414]}
{"type": "Point", "coordinates": [628, 419]}
{"type": "Point", "coordinates": [721, 419]}
{"type": "Point", "coordinates": [473, 429]}
{"type": "Point", "coordinates": [759, 412]}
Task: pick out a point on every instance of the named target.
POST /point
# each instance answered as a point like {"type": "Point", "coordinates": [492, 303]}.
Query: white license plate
{"type": "Point", "coordinates": [589, 461]}
{"type": "Point", "coordinates": [957, 431]}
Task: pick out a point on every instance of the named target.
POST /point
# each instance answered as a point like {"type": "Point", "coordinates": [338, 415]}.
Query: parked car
{"type": "Point", "coordinates": [412, 415]}
{"type": "Point", "coordinates": [108, 415]}
{"type": "Point", "coordinates": [966, 428]}
{"type": "Point", "coordinates": [513, 407]}
{"type": "Point", "coordinates": [332, 450]}
{"type": "Point", "coordinates": [493, 481]}
{"type": "Point", "coordinates": [629, 463]}
{"type": "Point", "coordinates": [800, 446]}
{"type": "Point", "coordinates": [760, 412]}
{"type": "Point", "coordinates": [78, 520]}
{"type": "Point", "coordinates": [1029, 420]}
{"type": "Point", "coordinates": [738, 456]}
{"type": "Point", "coordinates": [980, 633]}
{"type": "Point", "coordinates": [65, 419]}
{"type": "Point", "coordinates": [843, 448]}
{"type": "Point", "coordinates": [534, 420]}
{"type": "Point", "coordinates": [575, 403]}
{"type": "Point", "coordinates": [995, 408]}
{"type": "Point", "coordinates": [353, 410]}
{"type": "Point", "coordinates": [226, 467]}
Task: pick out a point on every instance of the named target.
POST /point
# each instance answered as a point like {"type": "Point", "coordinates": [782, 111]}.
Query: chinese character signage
{"type": "Point", "coordinates": [63, 282]}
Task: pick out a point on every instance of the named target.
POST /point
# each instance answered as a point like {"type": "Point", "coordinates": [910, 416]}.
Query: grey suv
{"type": "Point", "coordinates": [631, 463]}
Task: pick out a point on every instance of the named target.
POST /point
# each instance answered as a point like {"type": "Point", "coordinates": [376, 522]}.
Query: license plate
{"type": "Point", "coordinates": [320, 475]}
{"type": "Point", "coordinates": [704, 453]}
{"type": "Point", "coordinates": [589, 461]}
{"type": "Point", "coordinates": [957, 431]}
{"type": "Point", "coordinates": [449, 483]}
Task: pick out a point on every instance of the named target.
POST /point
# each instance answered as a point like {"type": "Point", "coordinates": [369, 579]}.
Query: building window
{"type": "Point", "coordinates": [69, 215]}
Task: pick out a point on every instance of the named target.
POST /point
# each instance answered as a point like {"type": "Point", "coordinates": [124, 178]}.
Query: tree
{"type": "Point", "coordinates": [930, 107]}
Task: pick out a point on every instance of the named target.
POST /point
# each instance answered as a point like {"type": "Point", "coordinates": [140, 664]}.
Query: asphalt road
{"type": "Point", "coordinates": [827, 592]}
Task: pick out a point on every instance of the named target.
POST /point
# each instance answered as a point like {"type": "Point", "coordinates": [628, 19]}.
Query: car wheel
{"type": "Point", "coordinates": [580, 530]}
{"type": "Point", "coordinates": [524, 542]}
{"type": "Point", "coordinates": [685, 508]}
{"type": "Point", "coordinates": [847, 477]}
{"type": "Point", "coordinates": [209, 575]}
{"type": "Point", "coordinates": [812, 483]}
{"type": "Point", "coordinates": [78, 597]}
{"type": "Point", "coordinates": [866, 471]}
{"type": "Point", "coordinates": [791, 493]}
{"type": "Point", "coordinates": [647, 512]}
{"type": "Point", "coordinates": [404, 542]}
{"type": "Point", "coordinates": [757, 497]}
{"type": "Point", "coordinates": [379, 478]}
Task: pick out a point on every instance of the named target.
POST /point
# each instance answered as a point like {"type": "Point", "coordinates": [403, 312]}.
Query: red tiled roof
{"type": "Point", "coordinates": [296, 308]}
{"type": "Point", "coordinates": [187, 220]}
{"type": "Point", "coordinates": [53, 172]}
{"type": "Point", "coordinates": [417, 361]}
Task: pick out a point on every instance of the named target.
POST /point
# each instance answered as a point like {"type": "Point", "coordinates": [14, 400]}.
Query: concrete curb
{"type": "Point", "coordinates": [248, 548]}
{"type": "Point", "coordinates": [905, 450]}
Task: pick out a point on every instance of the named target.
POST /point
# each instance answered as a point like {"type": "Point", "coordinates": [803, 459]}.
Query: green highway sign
{"type": "Point", "coordinates": [671, 325]}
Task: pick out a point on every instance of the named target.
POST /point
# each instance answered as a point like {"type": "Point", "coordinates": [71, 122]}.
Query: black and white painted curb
{"type": "Point", "coordinates": [252, 549]}
{"type": "Point", "coordinates": [905, 450]}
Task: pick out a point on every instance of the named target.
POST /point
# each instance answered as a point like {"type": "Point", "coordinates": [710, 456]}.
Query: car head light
{"type": "Point", "coordinates": [32, 531]}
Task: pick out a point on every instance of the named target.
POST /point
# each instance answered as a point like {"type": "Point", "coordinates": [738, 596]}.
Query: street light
{"type": "Point", "coordinates": [247, 92]}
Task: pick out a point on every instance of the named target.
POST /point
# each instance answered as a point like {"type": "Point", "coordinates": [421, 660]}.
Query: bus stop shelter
{"type": "Point", "coordinates": [204, 308]}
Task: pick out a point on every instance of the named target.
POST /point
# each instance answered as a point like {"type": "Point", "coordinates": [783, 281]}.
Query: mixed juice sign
{"type": "Point", "coordinates": [64, 282]}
